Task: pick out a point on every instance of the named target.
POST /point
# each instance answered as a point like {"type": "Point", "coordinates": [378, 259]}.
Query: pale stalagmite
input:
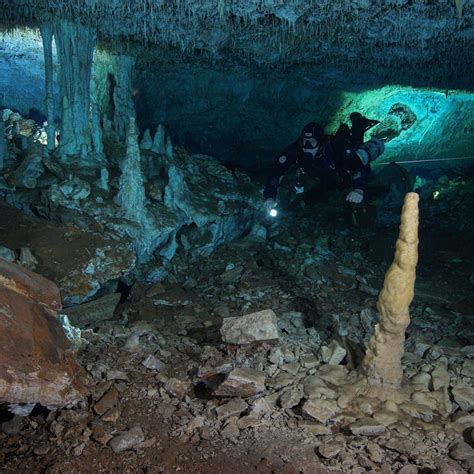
{"type": "Point", "coordinates": [382, 362]}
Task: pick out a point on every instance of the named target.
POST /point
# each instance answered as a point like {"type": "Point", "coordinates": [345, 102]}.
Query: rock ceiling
{"type": "Point", "coordinates": [427, 40]}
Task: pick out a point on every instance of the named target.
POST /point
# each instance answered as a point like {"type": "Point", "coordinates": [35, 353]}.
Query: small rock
{"type": "Point", "coordinates": [242, 382]}
{"type": "Point", "coordinates": [385, 418]}
{"type": "Point", "coordinates": [314, 387]}
{"type": "Point", "coordinates": [101, 433]}
{"type": "Point", "coordinates": [461, 451]}
{"type": "Point", "coordinates": [367, 427]}
{"type": "Point", "coordinates": [109, 400]}
{"type": "Point", "coordinates": [232, 408]}
{"type": "Point", "coordinates": [7, 254]}
{"type": "Point", "coordinates": [14, 426]}
{"type": "Point", "coordinates": [151, 362]}
{"type": "Point", "coordinates": [333, 374]}
{"type": "Point", "coordinates": [261, 407]}
{"type": "Point", "coordinates": [439, 378]}
{"type": "Point", "coordinates": [423, 398]}
{"type": "Point", "coordinates": [330, 450]}
{"type": "Point", "coordinates": [231, 431]}
{"type": "Point", "coordinates": [127, 440]}
{"type": "Point", "coordinates": [260, 326]}
{"type": "Point", "coordinates": [291, 368]}
{"type": "Point", "coordinates": [314, 428]}
{"type": "Point", "coordinates": [409, 469]}
{"type": "Point", "coordinates": [178, 388]}
{"type": "Point", "coordinates": [320, 410]}
{"type": "Point", "coordinates": [464, 397]}
{"type": "Point", "coordinates": [249, 421]}
{"type": "Point", "coordinates": [333, 354]}
{"type": "Point", "coordinates": [27, 259]}
{"type": "Point", "coordinates": [291, 398]}
{"type": "Point", "coordinates": [417, 410]}
{"type": "Point", "coordinates": [449, 467]}
{"type": "Point", "coordinates": [111, 415]}
{"type": "Point", "coordinates": [309, 362]}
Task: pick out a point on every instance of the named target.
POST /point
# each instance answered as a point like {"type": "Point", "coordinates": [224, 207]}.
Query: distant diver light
{"type": "Point", "coordinates": [273, 212]}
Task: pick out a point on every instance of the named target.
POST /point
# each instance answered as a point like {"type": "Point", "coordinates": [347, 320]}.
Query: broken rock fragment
{"type": "Point", "coordinates": [232, 408]}
{"type": "Point", "coordinates": [37, 363]}
{"type": "Point", "coordinates": [260, 326]}
{"type": "Point", "coordinates": [127, 440]}
{"type": "Point", "coordinates": [242, 382]}
{"type": "Point", "coordinates": [320, 410]}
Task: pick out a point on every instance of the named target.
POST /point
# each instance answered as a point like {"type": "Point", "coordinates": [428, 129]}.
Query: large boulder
{"type": "Point", "coordinates": [37, 363]}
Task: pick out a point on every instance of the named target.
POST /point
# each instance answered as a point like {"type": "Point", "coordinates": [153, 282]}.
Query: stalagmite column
{"type": "Point", "coordinates": [131, 197]}
{"type": "Point", "coordinates": [75, 43]}
{"type": "Point", "coordinates": [382, 362]}
{"type": "Point", "coordinates": [96, 128]}
{"type": "Point", "coordinates": [47, 36]}
{"type": "Point", "coordinates": [123, 101]}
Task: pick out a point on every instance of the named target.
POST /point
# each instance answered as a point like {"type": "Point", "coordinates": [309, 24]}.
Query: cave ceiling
{"type": "Point", "coordinates": [421, 42]}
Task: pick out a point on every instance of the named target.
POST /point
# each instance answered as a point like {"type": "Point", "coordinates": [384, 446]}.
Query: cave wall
{"type": "Point", "coordinates": [246, 115]}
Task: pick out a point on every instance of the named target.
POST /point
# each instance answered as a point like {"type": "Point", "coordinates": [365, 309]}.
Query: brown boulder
{"type": "Point", "coordinates": [37, 364]}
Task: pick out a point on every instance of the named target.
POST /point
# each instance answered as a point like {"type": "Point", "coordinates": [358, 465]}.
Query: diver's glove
{"type": "Point", "coordinates": [268, 205]}
{"type": "Point", "coordinates": [355, 196]}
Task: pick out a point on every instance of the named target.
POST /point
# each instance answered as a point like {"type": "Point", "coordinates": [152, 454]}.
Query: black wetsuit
{"type": "Point", "coordinates": [335, 164]}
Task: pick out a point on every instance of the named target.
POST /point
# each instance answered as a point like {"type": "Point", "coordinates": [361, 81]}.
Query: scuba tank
{"type": "Point", "coordinates": [370, 151]}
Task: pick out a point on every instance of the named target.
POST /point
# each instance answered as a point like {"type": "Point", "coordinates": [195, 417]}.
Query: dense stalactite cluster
{"type": "Point", "coordinates": [355, 35]}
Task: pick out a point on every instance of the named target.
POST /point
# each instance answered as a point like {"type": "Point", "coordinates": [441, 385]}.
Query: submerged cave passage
{"type": "Point", "coordinates": [194, 251]}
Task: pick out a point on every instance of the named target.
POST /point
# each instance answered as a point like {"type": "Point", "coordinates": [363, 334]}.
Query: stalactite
{"type": "Point", "coordinates": [47, 36]}
{"type": "Point", "coordinates": [75, 44]}
{"type": "Point", "coordinates": [382, 363]}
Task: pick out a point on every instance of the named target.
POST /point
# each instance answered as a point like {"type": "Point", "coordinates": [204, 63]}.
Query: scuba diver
{"type": "Point", "coordinates": [336, 160]}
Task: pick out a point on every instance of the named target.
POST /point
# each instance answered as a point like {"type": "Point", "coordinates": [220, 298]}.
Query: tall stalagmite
{"type": "Point", "coordinates": [131, 197]}
{"type": "Point", "coordinates": [75, 44]}
{"type": "Point", "coordinates": [382, 362]}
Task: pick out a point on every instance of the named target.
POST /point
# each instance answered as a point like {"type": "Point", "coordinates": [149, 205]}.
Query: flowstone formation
{"type": "Point", "coordinates": [383, 361]}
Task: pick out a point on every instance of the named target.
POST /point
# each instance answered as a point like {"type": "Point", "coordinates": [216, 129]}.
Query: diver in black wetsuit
{"type": "Point", "coordinates": [334, 160]}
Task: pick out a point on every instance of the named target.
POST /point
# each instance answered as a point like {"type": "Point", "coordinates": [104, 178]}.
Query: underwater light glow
{"type": "Point", "coordinates": [273, 213]}
{"type": "Point", "coordinates": [436, 195]}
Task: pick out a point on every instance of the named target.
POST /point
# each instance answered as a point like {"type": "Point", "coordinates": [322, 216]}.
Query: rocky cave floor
{"type": "Point", "coordinates": [154, 366]}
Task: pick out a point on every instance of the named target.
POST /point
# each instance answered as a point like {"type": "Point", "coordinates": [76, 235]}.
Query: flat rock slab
{"type": "Point", "coordinates": [242, 382]}
{"type": "Point", "coordinates": [232, 408]}
{"type": "Point", "coordinates": [260, 326]}
{"type": "Point", "coordinates": [37, 363]}
{"type": "Point", "coordinates": [93, 312]}
{"type": "Point", "coordinates": [367, 427]}
{"type": "Point", "coordinates": [320, 410]}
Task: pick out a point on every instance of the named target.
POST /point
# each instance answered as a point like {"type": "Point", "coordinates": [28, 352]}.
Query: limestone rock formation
{"type": "Point", "coordinates": [382, 363]}
{"type": "Point", "coordinates": [36, 361]}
